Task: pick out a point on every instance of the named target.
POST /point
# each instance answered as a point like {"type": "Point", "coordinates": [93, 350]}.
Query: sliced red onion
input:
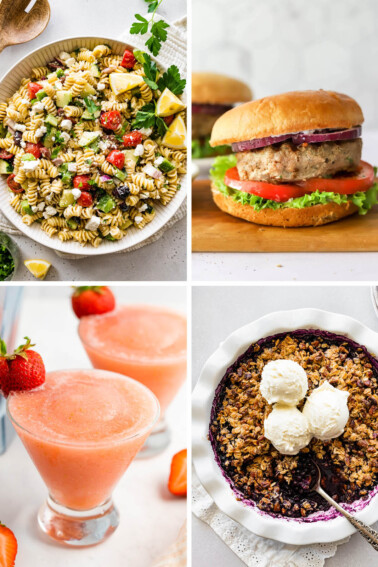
{"type": "Point", "coordinates": [152, 171]}
{"type": "Point", "coordinates": [258, 143]}
{"type": "Point", "coordinates": [57, 161]}
{"type": "Point", "coordinates": [350, 134]}
{"type": "Point", "coordinates": [299, 138]}
{"type": "Point", "coordinates": [105, 178]}
{"type": "Point", "coordinates": [210, 108]}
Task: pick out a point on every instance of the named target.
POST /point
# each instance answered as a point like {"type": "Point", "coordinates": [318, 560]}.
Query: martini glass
{"type": "Point", "coordinates": [147, 343]}
{"type": "Point", "coordinates": [82, 429]}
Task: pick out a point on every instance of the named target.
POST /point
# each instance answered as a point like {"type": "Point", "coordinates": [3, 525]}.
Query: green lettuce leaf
{"type": "Point", "coordinates": [202, 149]}
{"type": "Point", "coordinates": [364, 200]}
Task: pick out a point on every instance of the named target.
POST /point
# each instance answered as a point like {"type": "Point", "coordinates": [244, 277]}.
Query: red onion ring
{"type": "Point", "coordinates": [210, 108]}
{"type": "Point", "coordinates": [299, 138]}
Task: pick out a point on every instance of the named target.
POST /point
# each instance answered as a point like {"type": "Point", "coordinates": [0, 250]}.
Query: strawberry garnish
{"type": "Point", "coordinates": [22, 370]}
{"type": "Point", "coordinates": [8, 547]}
{"type": "Point", "coordinates": [177, 483]}
{"type": "Point", "coordinates": [92, 300]}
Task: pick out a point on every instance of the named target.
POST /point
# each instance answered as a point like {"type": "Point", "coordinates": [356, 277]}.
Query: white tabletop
{"type": "Point", "coordinates": [162, 260]}
{"type": "Point", "coordinates": [150, 517]}
{"type": "Point", "coordinates": [290, 266]}
{"type": "Point", "coordinates": [217, 311]}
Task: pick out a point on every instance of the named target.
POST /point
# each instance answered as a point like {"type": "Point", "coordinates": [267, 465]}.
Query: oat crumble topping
{"type": "Point", "coordinates": [278, 484]}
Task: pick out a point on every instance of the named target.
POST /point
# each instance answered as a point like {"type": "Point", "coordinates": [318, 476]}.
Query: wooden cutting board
{"type": "Point", "coordinates": [215, 231]}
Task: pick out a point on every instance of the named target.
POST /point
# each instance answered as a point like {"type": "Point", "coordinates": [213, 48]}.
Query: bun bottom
{"type": "Point", "coordinates": [316, 215]}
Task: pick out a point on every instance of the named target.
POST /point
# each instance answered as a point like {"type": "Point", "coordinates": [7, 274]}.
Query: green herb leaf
{"type": "Point", "coordinates": [153, 4]}
{"type": "Point", "coordinates": [159, 30]}
{"type": "Point", "coordinates": [154, 45]}
{"type": "Point", "coordinates": [151, 72]}
{"type": "Point", "coordinates": [172, 80]}
{"type": "Point", "coordinates": [141, 27]}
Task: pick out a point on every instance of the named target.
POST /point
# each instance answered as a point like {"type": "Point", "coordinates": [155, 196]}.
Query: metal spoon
{"type": "Point", "coordinates": [18, 25]}
{"type": "Point", "coordinates": [366, 531]}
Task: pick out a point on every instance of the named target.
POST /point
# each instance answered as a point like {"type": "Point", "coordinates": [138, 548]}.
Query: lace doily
{"type": "Point", "coordinates": [257, 551]}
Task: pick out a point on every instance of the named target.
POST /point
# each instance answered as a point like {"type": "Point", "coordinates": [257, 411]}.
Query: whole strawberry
{"type": "Point", "coordinates": [92, 300]}
{"type": "Point", "coordinates": [22, 370]}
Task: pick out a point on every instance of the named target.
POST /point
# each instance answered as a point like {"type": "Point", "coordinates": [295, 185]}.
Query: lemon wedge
{"type": "Point", "coordinates": [175, 137]}
{"type": "Point", "coordinates": [38, 268]}
{"type": "Point", "coordinates": [122, 82]}
{"type": "Point", "coordinates": [168, 103]}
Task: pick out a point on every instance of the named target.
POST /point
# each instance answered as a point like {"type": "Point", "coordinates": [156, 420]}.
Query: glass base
{"type": "Point", "coordinates": [78, 528]}
{"type": "Point", "coordinates": [157, 442]}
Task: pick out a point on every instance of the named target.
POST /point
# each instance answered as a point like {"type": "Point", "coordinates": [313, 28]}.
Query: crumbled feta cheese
{"type": "Point", "coordinates": [30, 165]}
{"type": "Point", "coordinates": [40, 131]}
{"type": "Point", "coordinates": [58, 85]}
{"type": "Point", "coordinates": [72, 167]}
{"type": "Point", "coordinates": [158, 161]}
{"type": "Point", "coordinates": [150, 170]}
{"type": "Point", "coordinates": [65, 137]}
{"type": "Point", "coordinates": [139, 150]}
{"type": "Point", "coordinates": [20, 127]}
{"type": "Point", "coordinates": [41, 206]}
{"type": "Point", "coordinates": [49, 197]}
{"type": "Point", "coordinates": [53, 138]}
{"type": "Point", "coordinates": [138, 219]}
{"type": "Point", "coordinates": [23, 144]}
{"type": "Point", "coordinates": [66, 124]}
{"type": "Point", "coordinates": [143, 208]}
{"type": "Point", "coordinates": [34, 208]}
{"type": "Point", "coordinates": [25, 101]}
{"type": "Point", "coordinates": [76, 193]}
{"type": "Point", "coordinates": [103, 145]}
{"type": "Point", "coordinates": [93, 223]}
{"type": "Point", "coordinates": [49, 212]}
{"type": "Point", "coordinates": [145, 131]}
{"type": "Point", "coordinates": [38, 106]}
{"type": "Point", "coordinates": [63, 55]}
{"type": "Point", "coordinates": [100, 86]}
{"type": "Point", "coordinates": [70, 61]}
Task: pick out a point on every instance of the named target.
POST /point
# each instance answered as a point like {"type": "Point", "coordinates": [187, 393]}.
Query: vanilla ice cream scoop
{"type": "Point", "coordinates": [283, 381]}
{"type": "Point", "coordinates": [287, 429]}
{"type": "Point", "coordinates": [327, 411]}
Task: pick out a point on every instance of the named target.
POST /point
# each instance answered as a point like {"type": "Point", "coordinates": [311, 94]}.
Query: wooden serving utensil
{"type": "Point", "coordinates": [18, 26]}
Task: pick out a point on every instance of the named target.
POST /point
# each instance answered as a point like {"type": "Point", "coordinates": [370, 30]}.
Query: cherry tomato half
{"type": "Point", "coordinates": [13, 185]}
{"type": "Point", "coordinates": [132, 139]}
{"type": "Point", "coordinates": [111, 120]}
{"type": "Point", "coordinates": [116, 158]}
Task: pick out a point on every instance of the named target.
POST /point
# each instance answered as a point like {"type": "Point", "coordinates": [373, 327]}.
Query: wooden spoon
{"type": "Point", "coordinates": [18, 26]}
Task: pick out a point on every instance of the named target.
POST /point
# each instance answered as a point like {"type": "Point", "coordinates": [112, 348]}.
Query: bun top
{"type": "Point", "coordinates": [286, 113]}
{"type": "Point", "coordinates": [211, 88]}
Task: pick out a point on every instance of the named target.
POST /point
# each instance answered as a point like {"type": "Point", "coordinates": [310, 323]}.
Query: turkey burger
{"type": "Point", "coordinates": [296, 161]}
{"type": "Point", "coordinates": [212, 96]}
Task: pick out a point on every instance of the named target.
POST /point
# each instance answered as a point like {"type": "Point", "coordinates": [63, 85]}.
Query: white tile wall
{"type": "Point", "coordinates": [281, 45]}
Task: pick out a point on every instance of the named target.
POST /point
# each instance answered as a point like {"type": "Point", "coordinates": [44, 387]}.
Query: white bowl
{"type": "Point", "coordinates": [8, 85]}
{"type": "Point", "coordinates": [291, 531]}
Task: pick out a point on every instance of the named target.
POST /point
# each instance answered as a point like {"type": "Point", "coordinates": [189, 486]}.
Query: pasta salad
{"type": "Point", "coordinates": [92, 141]}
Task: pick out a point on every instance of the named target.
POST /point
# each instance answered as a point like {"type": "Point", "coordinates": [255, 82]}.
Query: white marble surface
{"type": "Point", "coordinates": [150, 516]}
{"type": "Point", "coordinates": [162, 260]}
{"type": "Point", "coordinates": [282, 45]}
{"type": "Point", "coordinates": [291, 266]}
{"type": "Point", "coordinates": [217, 311]}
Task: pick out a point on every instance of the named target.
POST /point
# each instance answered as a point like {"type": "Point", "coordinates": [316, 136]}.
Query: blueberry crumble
{"type": "Point", "coordinates": [282, 484]}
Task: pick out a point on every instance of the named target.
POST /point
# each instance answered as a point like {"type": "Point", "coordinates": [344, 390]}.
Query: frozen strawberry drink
{"type": "Point", "coordinates": [82, 429]}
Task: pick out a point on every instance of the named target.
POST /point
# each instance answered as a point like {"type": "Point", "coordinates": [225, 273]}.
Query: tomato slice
{"type": "Point", "coordinates": [279, 193]}
{"type": "Point", "coordinates": [344, 185]}
{"type": "Point", "coordinates": [13, 185]}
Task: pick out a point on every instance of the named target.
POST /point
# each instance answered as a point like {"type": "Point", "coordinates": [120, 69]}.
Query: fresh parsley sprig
{"type": "Point", "coordinates": [146, 118]}
{"type": "Point", "coordinates": [158, 30]}
{"type": "Point", "coordinates": [171, 79]}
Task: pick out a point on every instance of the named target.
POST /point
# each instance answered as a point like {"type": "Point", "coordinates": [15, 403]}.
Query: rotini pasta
{"type": "Point", "coordinates": [75, 162]}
